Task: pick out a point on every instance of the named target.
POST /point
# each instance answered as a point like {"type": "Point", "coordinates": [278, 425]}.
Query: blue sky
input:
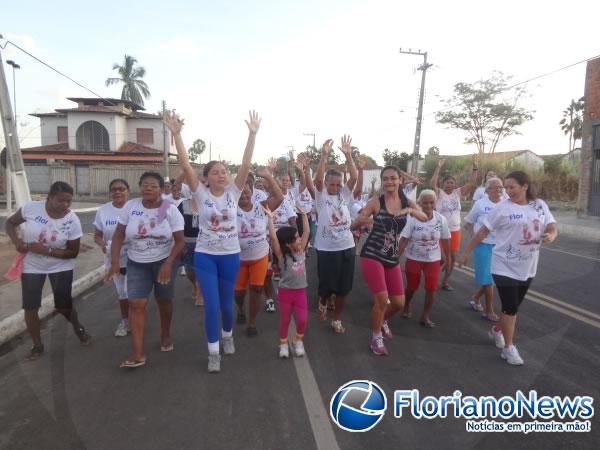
{"type": "Point", "coordinates": [329, 67]}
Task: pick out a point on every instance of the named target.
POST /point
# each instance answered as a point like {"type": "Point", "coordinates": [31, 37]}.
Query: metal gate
{"type": "Point", "coordinates": [594, 200]}
{"type": "Point", "coordinates": [82, 177]}
{"type": "Point", "coordinates": [38, 177]}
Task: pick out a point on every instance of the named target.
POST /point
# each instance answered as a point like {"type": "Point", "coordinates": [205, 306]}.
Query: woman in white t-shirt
{"type": "Point", "coordinates": [482, 255]}
{"type": "Point", "coordinates": [50, 243]}
{"type": "Point", "coordinates": [427, 247]}
{"type": "Point", "coordinates": [105, 222]}
{"type": "Point", "coordinates": [334, 241]}
{"type": "Point", "coordinates": [217, 257]}
{"type": "Point", "coordinates": [448, 205]}
{"type": "Point", "coordinates": [153, 230]}
{"type": "Point", "coordinates": [481, 192]}
{"type": "Point", "coordinates": [252, 225]}
{"type": "Point", "coordinates": [520, 225]}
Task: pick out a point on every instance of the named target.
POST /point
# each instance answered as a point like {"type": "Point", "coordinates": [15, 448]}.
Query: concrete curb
{"type": "Point", "coordinates": [577, 231]}
{"type": "Point", "coordinates": [15, 324]}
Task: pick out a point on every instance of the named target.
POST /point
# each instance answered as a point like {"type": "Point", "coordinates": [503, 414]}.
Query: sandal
{"type": "Point", "coordinates": [427, 323]}
{"type": "Point", "coordinates": [478, 307]}
{"type": "Point", "coordinates": [35, 353]}
{"type": "Point", "coordinates": [167, 348]}
{"type": "Point", "coordinates": [407, 315]}
{"type": "Point", "coordinates": [490, 317]}
{"type": "Point", "coordinates": [85, 340]}
{"type": "Point", "coordinates": [447, 287]}
{"type": "Point", "coordinates": [337, 326]}
{"type": "Point", "coordinates": [199, 300]}
{"type": "Point", "coordinates": [322, 311]}
{"type": "Point", "coordinates": [132, 363]}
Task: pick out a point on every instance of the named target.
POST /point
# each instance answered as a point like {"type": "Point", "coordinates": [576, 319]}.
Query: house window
{"type": "Point", "coordinates": [62, 134]}
{"type": "Point", "coordinates": [91, 136]}
{"type": "Point", "coordinates": [145, 136]}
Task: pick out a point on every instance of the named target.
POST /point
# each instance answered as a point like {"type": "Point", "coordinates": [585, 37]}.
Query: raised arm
{"type": "Point", "coordinates": [291, 168]}
{"type": "Point", "coordinates": [436, 175]}
{"type": "Point", "coordinates": [306, 176]}
{"type": "Point", "coordinates": [253, 126]}
{"type": "Point", "coordinates": [273, 235]}
{"type": "Point", "coordinates": [305, 228]}
{"type": "Point", "coordinates": [175, 124]}
{"type": "Point", "coordinates": [469, 185]}
{"type": "Point", "coordinates": [362, 162]}
{"type": "Point", "coordinates": [372, 191]}
{"type": "Point", "coordinates": [275, 195]}
{"type": "Point", "coordinates": [320, 175]}
{"type": "Point", "coordinates": [347, 151]}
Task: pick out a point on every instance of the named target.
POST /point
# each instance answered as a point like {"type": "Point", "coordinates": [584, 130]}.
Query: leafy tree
{"type": "Point", "coordinates": [197, 148]}
{"type": "Point", "coordinates": [572, 121]}
{"type": "Point", "coordinates": [134, 88]}
{"type": "Point", "coordinates": [356, 155]}
{"type": "Point", "coordinates": [433, 151]}
{"type": "Point", "coordinates": [393, 158]}
{"type": "Point", "coordinates": [314, 156]}
{"type": "Point", "coordinates": [486, 111]}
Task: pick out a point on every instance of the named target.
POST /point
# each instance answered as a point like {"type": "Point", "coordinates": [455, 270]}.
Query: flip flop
{"type": "Point", "coordinates": [407, 315]}
{"type": "Point", "coordinates": [132, 363]}
{"type": "Point", "coordinates": [36, 352]}
{"type": "Point", "coordinates": [447, 287]}
{"type": "Point", "coordinates": [166, 348]}
{"type": "Point", "coordinates": [493, 318]}
{"type": "Point", "coordinates": [427, 324]}
{"type": "Point", "coordinates": [476, 306]}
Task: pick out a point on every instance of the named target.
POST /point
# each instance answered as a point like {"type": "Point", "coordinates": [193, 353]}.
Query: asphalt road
{"type": "Point", "coordinates": [77, 397]}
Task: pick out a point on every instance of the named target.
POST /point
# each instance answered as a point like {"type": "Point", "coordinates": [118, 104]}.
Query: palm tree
{"type": "Point", "coordinates": [134, 88]}
{"type": "Point", "coordinates": [572, 121]}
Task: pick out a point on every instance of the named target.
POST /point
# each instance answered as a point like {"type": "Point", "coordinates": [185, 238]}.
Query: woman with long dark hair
{"type": "Point", "coordinates": [50, 242]}
{"type": "Point", "coordinates": [520, 225]}
{"type": "Point", "coordinates": [379, 257]}
{"type": "Point", "coordinates": [217, 257]}
{"type": "Point", "coordinates": [105, 222]}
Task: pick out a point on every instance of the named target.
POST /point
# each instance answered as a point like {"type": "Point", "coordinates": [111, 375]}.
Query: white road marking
{"type": "Point", "coordinates": [591, 258]}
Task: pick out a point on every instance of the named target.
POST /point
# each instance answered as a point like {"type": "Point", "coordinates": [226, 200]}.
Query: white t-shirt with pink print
{"type": "Point", "coordinates": [53, 233]}
{"type": "Point", "coordinates": [333, 223]}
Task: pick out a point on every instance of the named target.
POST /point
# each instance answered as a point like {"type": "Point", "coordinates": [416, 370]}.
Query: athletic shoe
{"type": "Point", "coordinates": [182, 271]}
{"type": "Point", "coordinates": [377, 346]}
{"type": "Point", "coordinates": [476, 306]}
{"type": "Point", "coordinates": [284, 351]}
{"type": "Point", "coordinates": [214, 363]}
{"type": "Point", "coordinates": [385, 331]}
{"type": "Point", "coordinates": [299, 348]}
{"type": "Point", "coordinates": [270, 305]}
{"type": "Point", "coordinates": [228, 347]}
{"type": "Point", "coordinates": [497, 337]}
{"type": "Point", "coordinates": [511, 355]}
{"type": "Point", "coordinates": [122, 330]}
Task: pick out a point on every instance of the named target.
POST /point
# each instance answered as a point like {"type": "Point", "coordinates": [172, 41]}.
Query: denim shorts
{"type": "Point", "coordinates": [142, 278]}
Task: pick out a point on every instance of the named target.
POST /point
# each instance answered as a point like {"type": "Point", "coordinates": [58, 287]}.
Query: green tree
{"type": "Point", "coordinates": [134, 88]}
{"type": "Point", "coordinates": [572, 121]}
{"type": "Point", "coordinates": [356, 155]}
{"type": "Point", "coordinates": [196, 149]}
{"type": "Point", "coordinates": [433, 151]}
{"type": "Point", "coordinates": [394, 158]}
{"type": "Point", "coordinates": [486, 111]}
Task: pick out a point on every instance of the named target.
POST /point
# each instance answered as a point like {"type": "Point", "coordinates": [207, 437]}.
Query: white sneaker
{"type": "Point", "coordinates": [122, 329]}
{"type": "Point", "coordinates": [214, 363]}
{"type": "Point", "coordinates": [511, 355]}
{"type": "Point", "coordinates": [228, 346]}
{"type": "Point", "coordinates": [284, 351]}
{"type": "Point", "coordinates": [497, 337]}
{"type": "Point", "coordinates": [299, 348]}
{"type": "Point", "coordinates": [182, 271]}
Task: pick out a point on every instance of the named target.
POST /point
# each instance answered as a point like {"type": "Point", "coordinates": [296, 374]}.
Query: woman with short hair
{"type": "Point", "coordinates": [153, 228]}
{"type": "Point", "coordinates": [50, 242]}
{"type": "Point", "coordinates": [105, 223]}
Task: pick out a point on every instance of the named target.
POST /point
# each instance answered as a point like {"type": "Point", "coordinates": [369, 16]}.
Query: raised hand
{"type": "Point", "coordinates": [346, 147]}
{"type": "Point", "coordinates": [263, 171]}
{"type": "Point", "coordinates": [441, 162]}
{"type": "Point", "coordinates": [254, 123]}
{"type": "Point", "coordinates": [173, 122]}
{"type": "Point", "coordinates": [373, 181]}
{"type": "Point", "coordinates": [267, 211]}
{"type": "Point", "coordinates": [272, 164]}
{"type": "Point", "coordinates": [327, 147]}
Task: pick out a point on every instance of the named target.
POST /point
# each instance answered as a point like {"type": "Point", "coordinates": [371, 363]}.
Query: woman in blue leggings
{"type": "Point", "coordinates": [217, 256]}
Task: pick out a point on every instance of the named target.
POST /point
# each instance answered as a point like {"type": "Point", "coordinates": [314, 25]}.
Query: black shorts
{"type": "Point", "coordinates": [511, 292]}
{"type": "Point", "coordinates": [33, 283]}
{"type": "Point", "coordinates": [336, 271]}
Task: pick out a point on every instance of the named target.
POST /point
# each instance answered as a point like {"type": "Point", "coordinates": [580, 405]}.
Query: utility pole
{"type": "Point", "coordinates": [313, 136]}
{"type": "Point", "coordinates": [14, 159]}
{"type": "Point", "coordinates": [165, 149]}
{"type": "Point", "coordinates": [423, 68]}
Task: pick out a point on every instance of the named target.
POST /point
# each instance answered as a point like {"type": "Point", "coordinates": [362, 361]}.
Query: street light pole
{"type": "Point", "coordinates": [313, 136]}
{"type": "Point", "coordinates": [14, 65]}
{"type": "Point", "coordinates": [423, 68]}
{"type": "Point", "coordinates": [7, 172]}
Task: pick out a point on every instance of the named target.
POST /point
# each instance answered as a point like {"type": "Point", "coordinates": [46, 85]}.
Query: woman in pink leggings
{"type": "Point", "coordinates": [379, 257]}
{"type": "Point", "coordinates": [289, 248]}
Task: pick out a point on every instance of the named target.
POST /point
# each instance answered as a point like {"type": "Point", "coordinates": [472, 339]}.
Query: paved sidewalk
{"type": "Point", "coordinates": [584, 227]}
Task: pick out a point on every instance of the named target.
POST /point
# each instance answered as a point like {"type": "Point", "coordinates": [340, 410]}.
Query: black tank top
{"type": "Point", "coordinates": [382, 242]}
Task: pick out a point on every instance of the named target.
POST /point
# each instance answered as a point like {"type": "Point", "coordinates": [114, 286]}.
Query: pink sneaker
{"type": "Point", "coordinates": [377, 346]}
{"type": "Point", "coordinates": [385, 331]}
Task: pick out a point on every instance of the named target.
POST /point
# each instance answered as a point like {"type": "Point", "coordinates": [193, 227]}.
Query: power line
{"type": "Point", "coordinates": [56, 70]}
{"type": "Point", "coordinates": [537, 77]}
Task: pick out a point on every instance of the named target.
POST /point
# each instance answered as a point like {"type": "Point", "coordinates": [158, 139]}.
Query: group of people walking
{"type": "Point", "coordinates": [231, 235]}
